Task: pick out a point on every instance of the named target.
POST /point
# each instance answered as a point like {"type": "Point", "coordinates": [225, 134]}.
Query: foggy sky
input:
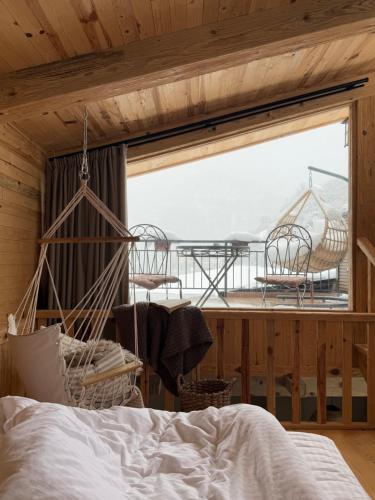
{"type": "Point", "coordinates": [239, 191]}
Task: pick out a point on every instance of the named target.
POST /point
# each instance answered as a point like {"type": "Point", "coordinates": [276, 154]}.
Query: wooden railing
{"type": "Point", "coordinates": [271, 344]}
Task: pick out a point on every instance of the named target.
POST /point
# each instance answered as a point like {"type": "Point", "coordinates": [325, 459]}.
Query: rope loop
{"type": "Point", "coordinates": [84, 174]}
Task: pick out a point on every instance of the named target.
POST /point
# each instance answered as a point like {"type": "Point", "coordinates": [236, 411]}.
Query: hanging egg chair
{"type": "Point", "coordinates": [328, 229]}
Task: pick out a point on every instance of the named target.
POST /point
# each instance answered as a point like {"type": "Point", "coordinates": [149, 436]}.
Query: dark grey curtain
{"type": "Point", "coordinates": [76, 267]}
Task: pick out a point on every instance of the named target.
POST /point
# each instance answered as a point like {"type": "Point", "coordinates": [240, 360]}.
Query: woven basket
{"type": "Point", "coordinates": [204, 393]}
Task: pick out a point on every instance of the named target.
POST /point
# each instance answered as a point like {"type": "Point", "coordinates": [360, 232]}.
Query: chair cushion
{"type": "Point", "coordinates": [281, 279]}
{"type": "Point", "coordinates": [40, 365]}
{"type": "Point", "coordinates": [152, 281]}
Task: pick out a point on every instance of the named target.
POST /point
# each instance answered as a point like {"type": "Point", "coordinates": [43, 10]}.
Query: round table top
{"type": "Point", "coordinates": [221, 250]}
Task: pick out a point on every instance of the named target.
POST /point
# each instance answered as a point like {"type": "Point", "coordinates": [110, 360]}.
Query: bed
{"type": "Point", "coordinates": [51, 451]}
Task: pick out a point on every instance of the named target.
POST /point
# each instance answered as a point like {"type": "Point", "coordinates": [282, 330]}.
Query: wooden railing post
{"type": "Point", "coordinates": [347, 363]}
{"type": "Point", "coordinates": [245, 362]}
{"type": "Point", "coordinates": [371, 373]}
{"type": "Point", "coordinates": [321, 381]}
{"type": "Point", "coordinates": [370, 287]}
{"type": "Point", "coordinates": [296, 374]}
{"type": "Point", "coordinates": [270, 362]}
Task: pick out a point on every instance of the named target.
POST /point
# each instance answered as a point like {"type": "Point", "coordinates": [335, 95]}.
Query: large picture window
{"type": "Point", "coordinates": [264, 225]}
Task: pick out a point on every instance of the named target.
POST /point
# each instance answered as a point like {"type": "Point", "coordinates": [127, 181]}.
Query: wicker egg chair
{"type": "Point", "coordinates": [333, 245]}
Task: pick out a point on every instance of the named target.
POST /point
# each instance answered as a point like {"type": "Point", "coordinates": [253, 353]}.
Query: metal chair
{"type": "Point", "coordinates": [149, 259]}
{"type": "Point", "coordinates": [287, 256]}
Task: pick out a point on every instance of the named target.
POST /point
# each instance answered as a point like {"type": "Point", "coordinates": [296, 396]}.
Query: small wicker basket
{"type": "Point", "coordinates": [204, 393]}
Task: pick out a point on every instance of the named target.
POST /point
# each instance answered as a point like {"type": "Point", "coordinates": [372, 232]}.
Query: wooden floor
{"type": "Point", "coordinates": [358, 449]}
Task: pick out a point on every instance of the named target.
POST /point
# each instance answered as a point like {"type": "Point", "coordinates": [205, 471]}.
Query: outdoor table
{"type": "Point", "coordinates": [228, 252]}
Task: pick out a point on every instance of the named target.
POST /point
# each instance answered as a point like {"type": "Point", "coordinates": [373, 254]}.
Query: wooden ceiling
{"type": "Point", "coordinates": [33, 32]}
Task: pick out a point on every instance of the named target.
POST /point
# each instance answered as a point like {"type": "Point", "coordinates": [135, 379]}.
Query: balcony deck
{"type": "Point", "coordinates": [253, 299]}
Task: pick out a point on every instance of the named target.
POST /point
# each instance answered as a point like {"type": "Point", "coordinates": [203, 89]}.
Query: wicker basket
{"type": "Point", "coordinates": [204, 393]}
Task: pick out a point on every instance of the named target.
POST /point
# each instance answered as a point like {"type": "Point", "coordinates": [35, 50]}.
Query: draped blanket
{"type": "Point", "coordinates": [239, 452]}
{"type": "Point", "coordinates": [173, 343]}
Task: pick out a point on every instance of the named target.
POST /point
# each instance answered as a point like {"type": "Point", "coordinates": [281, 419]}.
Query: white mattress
{"type": "Point", "coordinates": [328, 466]}
{"type": "Point", "coordinates": [239, 452]}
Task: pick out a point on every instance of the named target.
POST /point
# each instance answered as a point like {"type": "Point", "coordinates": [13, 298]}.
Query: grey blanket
{"type": "Point", "coordinates": [173, 343]}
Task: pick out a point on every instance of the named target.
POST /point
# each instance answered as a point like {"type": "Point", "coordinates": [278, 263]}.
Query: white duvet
{"type": "Point", "coordinates": [49, 451]}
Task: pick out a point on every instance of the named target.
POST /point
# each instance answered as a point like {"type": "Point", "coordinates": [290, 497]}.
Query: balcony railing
{"type": "Point", "coordinates": [240, 277]}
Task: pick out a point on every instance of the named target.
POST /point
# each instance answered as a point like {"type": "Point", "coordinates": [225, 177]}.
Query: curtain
{"type": "Point", "coordinates": [75, 267]}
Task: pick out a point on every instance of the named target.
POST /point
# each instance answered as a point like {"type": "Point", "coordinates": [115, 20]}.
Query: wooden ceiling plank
{"type": "Point", "coordinates": [233, 8]}
{"type": "Point", "coordinates": [91, 24]}
{"type": "Point", "coordinates": [195, 96]}
{"type": "Point", "coordinates": [54, 39]}
{"type": "Point", "coordinates": [255, 88]}
{"type": "Point", "coordinates": [178, 10]}
{"type": "Point", "coordinates": [109, 117]}
{"type": "Point", "coordinates": [175, 56]}
{"type": "Point", "coordinates": [15, 46]}
{"type": "Point", "coordinates": [5, 66]}
{"type": "Point", "coordinates": [162, 16]}
{"type": "Point", "coordinates": [194, 13]}
{"type": "Point", "coordinates": [330, 60]}
{"type": "Point", "coordinates": [144, 18]}
{"type": "Point", "coordinates": [128, 105]}
{"type": "Point", "coordinates": [109, 22]}
{"type": "Point", "coordinates": [210, 11]}
{"type": "Point", "coordinates": [362, 54]}
{"type": "Point", "coordinates": [31, 27]}
{"type": "Point", "coordinates": [64, 21]}
{"type": "Point", "coordinates": [123, 11]}
{"type": "Point", "coordinates": [291, 67]}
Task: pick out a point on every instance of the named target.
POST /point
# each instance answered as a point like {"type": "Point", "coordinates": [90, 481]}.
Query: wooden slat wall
{"type": "Point", "coordinates": [363, 187]}
{"type": "Point", "coordinates": [299, 344]}
{"type": "Point", "coordinates": [21, 171]}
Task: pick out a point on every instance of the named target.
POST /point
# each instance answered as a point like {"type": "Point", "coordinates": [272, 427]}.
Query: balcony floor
{"type": "Point", "coordinates": [253, 299]}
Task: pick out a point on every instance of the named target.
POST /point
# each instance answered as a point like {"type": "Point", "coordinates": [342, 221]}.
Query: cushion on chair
{"type": "Point", "coordinates": [39, 364]}
{"type": "Point", "coordinates": [281, 279]}
{"type": "Point", "coordinates": [152, 281]}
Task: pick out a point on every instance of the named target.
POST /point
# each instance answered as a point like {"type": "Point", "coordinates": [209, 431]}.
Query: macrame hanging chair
{"type": "Point", "coordinates": [330, 243]}
{"type": "Point", "coordinates": [80, 368]}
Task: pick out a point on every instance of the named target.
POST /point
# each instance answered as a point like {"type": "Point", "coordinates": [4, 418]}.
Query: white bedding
{"type": "Point", "coordinates": [239, 452]}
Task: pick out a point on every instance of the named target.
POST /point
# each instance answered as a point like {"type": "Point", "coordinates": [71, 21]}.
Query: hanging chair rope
{"type": "Point", "coordinates": [98, 299]}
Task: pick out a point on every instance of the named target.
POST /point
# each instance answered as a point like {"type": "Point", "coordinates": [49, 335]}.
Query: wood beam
{"type": "Point", "coordinates": [183, 54]}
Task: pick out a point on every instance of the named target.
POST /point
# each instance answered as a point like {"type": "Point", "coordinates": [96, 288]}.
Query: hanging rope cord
{"type": "Point", "coordinates": [100, 297]}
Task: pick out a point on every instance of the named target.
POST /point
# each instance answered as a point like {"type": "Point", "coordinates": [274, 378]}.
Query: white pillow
{"type": "Point", "coordinates": [40, 365]}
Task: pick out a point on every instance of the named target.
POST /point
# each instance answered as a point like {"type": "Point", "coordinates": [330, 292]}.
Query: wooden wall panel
{"type": "Point", "coordinates": [9, 381]}
{"type": "Point", "coordinates": [21, 170]}
{"type": "Point", "coordinates": [363, 178]}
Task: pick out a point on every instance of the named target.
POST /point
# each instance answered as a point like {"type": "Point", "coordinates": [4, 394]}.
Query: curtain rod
{"type": "Point", "coordinates": [236, 115]}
